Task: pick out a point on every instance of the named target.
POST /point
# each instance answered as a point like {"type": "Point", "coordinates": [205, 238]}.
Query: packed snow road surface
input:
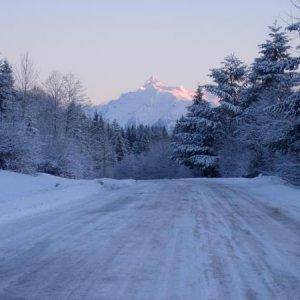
{"type": "Point", "coordinates": [164, 239]}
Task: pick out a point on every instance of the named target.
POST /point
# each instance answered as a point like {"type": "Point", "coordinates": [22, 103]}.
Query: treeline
{"type": "Point", "coordinates": [45, 128]}
{"type": "Point", "coordinates": [256, 127]}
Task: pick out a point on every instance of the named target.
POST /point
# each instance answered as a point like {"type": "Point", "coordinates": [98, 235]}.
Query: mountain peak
{"type": "Point", "coordinates": [179, 92]}
{"type": "Point", "coordinates": [152, 82]}
{"type": "Point", "coordinates": [152, 103]}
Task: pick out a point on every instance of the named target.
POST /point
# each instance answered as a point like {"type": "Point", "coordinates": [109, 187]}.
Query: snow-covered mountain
{"type": "Point", "coordinates": [153, 103]}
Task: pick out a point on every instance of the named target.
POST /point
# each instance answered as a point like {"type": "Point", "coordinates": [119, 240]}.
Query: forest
{"type": "Point", "coordinates": [47, 127]}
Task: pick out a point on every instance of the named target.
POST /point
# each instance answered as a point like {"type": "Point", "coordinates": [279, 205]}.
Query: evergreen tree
{"type": "Point", "coordinates": [7, 93]}
{"type": "Point", "coordinates": [77, 155]}
{"type": "Point", "coordinates": [229, 81]}
{"type": "Point", "coordinates": [8, 136]}
{"type": "Point", "coordinates": [118, 140]}
{"type": "Point", "coordinates": [104, 156]}
{"type": "Point", "coordinates": [18, 147]}
{"type": "Point", "coordinates": [286, 123]}
{"type": "Point", "coordinates": [143, 139]}
{"type": "Point", "coordinates": [273, 76]}
{"type": "Point", "coordinates": [194, 138]}
{"type": "Point", "coordinates": [131, 137]}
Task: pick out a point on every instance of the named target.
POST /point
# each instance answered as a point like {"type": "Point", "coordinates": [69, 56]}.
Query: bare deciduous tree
{"type": "Point", "coordinates": [74, 91]}
{"type": "Point", "coordinates": [26, 77]}
{"type": "Point", "coordinates": [54, 86]}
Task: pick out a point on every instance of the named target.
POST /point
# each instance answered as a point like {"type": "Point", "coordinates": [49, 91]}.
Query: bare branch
{"type": "Point", "coordinates": [296, 3]}
{"type": "Point", "coordinates": [26, 73]}
{"type": "Point", "coordinates": [74, 91]}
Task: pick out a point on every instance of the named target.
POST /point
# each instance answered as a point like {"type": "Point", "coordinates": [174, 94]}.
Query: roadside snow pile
{"type": "Point", "coordinates": [22, 194]}
{"type": "Point", "coordinates": [272, 190]}
{"type": "Point", "coordinates": [114, 184]}
{"type": "Point", "coordinates": [16, 185]}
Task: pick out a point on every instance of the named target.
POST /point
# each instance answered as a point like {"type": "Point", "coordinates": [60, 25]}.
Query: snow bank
{"type": "Point", "coordinates": [274, 191]}
{"type": "Point", "coordinates": [16, 185]}
{"type": "Point", "coordinates": [271, 187]}
{"type": "Point", "coordinates": [114, 184]}
{"type": "Point", "coordinates": [21, 193]}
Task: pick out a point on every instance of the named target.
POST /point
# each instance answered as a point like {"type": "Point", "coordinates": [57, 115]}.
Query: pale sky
{"type": "Point", "coordinates": [113, 46]}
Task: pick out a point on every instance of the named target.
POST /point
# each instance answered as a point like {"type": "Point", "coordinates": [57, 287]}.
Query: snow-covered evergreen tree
{"type": "Point", "coordinates": [273, 76]}
{"type": "Point", "coordinates": [273, 72]}
{"type": "Point", "coordinates": [77, 154]}
{"type": "Point", "coordinates": [118, 141]}
{"type": "Point", "coordinates": [104, 156]}
{"type": "Point", "coordinates": [7, 93]}
{"type": "Point", "coordinates": [229, 81]}
{"type": "Point", "coordinates": [9, 137]}
{"type": "Point", "coordinates": [194, 137]}
{"type": "Point", "coordinates": [143, 138]}
{"type": "Point", "coordinates": [18, 150]}
{"type": "Point", "coordinates": [286, 116]}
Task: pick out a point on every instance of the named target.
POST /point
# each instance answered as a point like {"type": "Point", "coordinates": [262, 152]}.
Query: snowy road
{"type": "Point", "coordinates": [168, 239]}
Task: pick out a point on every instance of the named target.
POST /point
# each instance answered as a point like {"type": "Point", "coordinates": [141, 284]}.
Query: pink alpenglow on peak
{"type": "Point", "coordinates": [154, 103]}
{"type": "Point", "coordinates": [152, 81]}
{"type": "Point", "coordinates": [179, 92]}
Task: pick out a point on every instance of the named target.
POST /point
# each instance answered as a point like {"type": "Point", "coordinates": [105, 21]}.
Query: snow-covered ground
{"type": "Point", "coordinates": [160, 239]}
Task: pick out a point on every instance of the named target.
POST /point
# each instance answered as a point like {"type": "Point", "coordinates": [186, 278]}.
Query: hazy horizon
{"type": "Point", "coordinates": [115, 47]}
